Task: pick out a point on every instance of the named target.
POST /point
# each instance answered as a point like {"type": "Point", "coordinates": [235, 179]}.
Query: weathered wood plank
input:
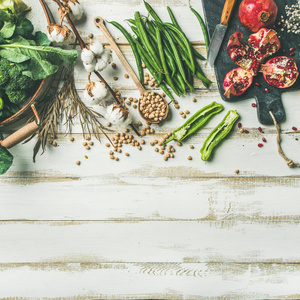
{"type": "Point", "coordinates": [150, 281]}
{"type": "Point", "coordinates": [153, 241]}
{"type": "Point", "coordinates": [143, 199]}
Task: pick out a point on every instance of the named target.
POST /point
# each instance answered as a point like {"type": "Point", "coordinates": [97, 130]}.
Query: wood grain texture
{"type": "Point", "coordinates": [149, 281]}
{"type": "Point", "coordinates": [143, 228]}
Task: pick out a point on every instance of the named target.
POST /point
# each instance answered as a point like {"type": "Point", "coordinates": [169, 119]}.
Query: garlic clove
{"type": "Point", "coordinates": [97, 48]}
{"type": "Point", "coordinates": [87, 56]}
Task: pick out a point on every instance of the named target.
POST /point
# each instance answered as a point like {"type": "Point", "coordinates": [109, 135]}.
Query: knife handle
{"type": "Point", "coordinates": [227, 11]}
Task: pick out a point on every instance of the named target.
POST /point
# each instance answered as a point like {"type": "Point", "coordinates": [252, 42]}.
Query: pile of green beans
{"type": "Point", "coordinates": [165, 50]}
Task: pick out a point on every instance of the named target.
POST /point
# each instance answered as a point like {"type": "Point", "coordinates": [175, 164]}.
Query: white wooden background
{"type": "Point", "coordinates": [146, 228]}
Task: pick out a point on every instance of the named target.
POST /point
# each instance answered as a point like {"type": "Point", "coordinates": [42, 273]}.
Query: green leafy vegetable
{"type": "Point", "coordinates": [8, 30]}
{"type": "Point", "coordinates": [16, 6]}
{"type": "Point", "coordinates": [6, 159]}
{"type": "Point", "coordinates": [23, 27]}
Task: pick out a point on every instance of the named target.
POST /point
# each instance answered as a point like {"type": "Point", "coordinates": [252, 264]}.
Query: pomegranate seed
{"type": "Point", "coordinates": [264, 140]}
{"type": "Point", "coordinates": [246, 131]}
{"type": "Point", "coordinates": [259, 129]}
{"type": "Point", "coordinates": [257, 83]}
{"type": "Point", "coordinates": [294, 128]}
{"type": "Point", "coordinates": [260, 145]}
{"type": "Point", "coordinates": [239, 125]}
{"type": "Point", "coordinates": [292, 49]}
{"type": "Point", "coordinates": [292, 53]}
{"type": "Point", "coordinates": [267, 90]}
{"type": "Point", "coordinates": [253, 105]}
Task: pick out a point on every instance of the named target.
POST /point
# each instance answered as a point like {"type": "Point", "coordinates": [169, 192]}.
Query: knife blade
{"type": "Point", "coordinates": [219, 32]}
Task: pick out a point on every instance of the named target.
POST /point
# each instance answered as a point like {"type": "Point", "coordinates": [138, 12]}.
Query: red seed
{"type": "Point", "coordinates": [292, 53]}
{"type": "Point", "coordinates": [264, 140]}
{"type": "Point", "coordinates": [294, 128]}
{"type": "Point", "coordinates": [239, 125]}
{"type": "Point", "coordinates": [292, 49]}
{"type": "Point", "coordinates": [260, 145]}
{"type": "Point", "coordinates": [259, 129]}
{"type": "Point", "coordinates": [266, 90]}
{"type": "Point", "coordinates": [257, 83]}
{"type": "Point", "coordinates": [253, 105]}
{"type": "Point", "coordinates": [246, 131]}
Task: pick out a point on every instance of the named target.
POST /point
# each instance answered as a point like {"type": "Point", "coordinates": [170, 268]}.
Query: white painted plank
{"type": "Point", "coordinates": [237, 152]}
{"type": "Point", "coordinates": [150, 281]}
{"type": "Point", "coordinates": [132, 198]}
{"type": "Point", "coordinates": [151, 241]}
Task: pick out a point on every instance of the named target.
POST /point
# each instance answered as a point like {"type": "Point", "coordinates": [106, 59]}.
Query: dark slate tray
{"type": "Point", "coordinates": [265, 101]}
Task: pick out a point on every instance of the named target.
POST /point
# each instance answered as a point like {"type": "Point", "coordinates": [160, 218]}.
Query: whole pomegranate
{"type": "Point", "coordinates": [256, 14]}
{"type": "Point", "coordinates": [236, 82]}
{"type": "Point", "coordinates": [281, 72]}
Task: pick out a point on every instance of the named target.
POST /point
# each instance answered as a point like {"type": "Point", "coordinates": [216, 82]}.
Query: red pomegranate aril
{"type": "Point", "coordinates": [253, 105]}
{"type": "Point", "coordinates": [267, 90]}
{"type": "Point", "coordinates": [292, 53]}
{"type": "Point", "coordinates": [259, 129]}
{"type": "Point", "coordinates": [280, 72]}
{"type": "Point", "coordinates": [257, 83]}
{"type": "Point", "coordinates": [292, 49]}
{"type": "Point", "coordinates": [246, 131]}
{"type": "Point", "coordinates": [260, 145]}
{"type": "Point", "coordinates": [239, 125]}
{"type": "Point", "coordinates": [294, 128]}
{"type": "Point", "coordinates": [264, 140]}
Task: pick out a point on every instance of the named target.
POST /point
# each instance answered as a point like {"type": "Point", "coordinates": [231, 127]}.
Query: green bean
{"type": "Point", "coordinates": [174, 50]}
{"type": "Point", "coordinates": [172, 17]}
{"type": "Point", "coordinates": [186, 42]}
{"type": "Point", "coordinates": [152, 12]}
{"type": "Point", "coordinates": [133, 47]}
{"type": "Point", "coordinates": [163, 60]}
{"type": "Point", "coordinates": [202, 25]}
{"type": "Point", "coordinates": [146, 43]}
{"type": "Point", "coordinates": [180, 83]}
{"type": "Point", "coordinates": [169, 57]}
{"type": "Point", "coordinates": [151, 69]}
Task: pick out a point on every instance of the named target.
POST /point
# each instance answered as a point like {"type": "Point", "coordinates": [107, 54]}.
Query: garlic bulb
{"type": "Point", "coordinates": [97, 48]}
{"type": "Point", "coordinates": [60, 34]}
{"type": "Point", "coordinates": [94, 93]}
{"type": "Point", "coordinates": [87, 56]}
{"type": "Point", "coordinates": [118, 115]}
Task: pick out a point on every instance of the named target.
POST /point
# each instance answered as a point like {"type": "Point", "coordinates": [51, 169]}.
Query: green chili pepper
{"type": "Point", "coordinates": [202, 25]}
{"type": "Point", "coordinates": [218, 134]}
{"type": "Point", "coordinates": [134, 49]}
{"type": "Point", "coordinates": [196, 121]}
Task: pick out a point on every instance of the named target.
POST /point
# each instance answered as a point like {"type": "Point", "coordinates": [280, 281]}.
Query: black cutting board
{"type": "Point", "coordinates": [265, 101]}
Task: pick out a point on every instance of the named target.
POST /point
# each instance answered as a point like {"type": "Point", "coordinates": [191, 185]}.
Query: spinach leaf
{"type": "Point", "coordinates": [42, 60]}
{"type": "Point", "coordinates": [24, 27]}
{"type": "Point", "coordinates": [6, 159]}
{"type": "Point", "coordinates": [41, 39]}
{"type": "Point", "coordinates": [8, 30]}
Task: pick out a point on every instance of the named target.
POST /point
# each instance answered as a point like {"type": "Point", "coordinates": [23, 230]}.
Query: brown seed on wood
{"type": "Point", "coordinates": [50, 142]}
{"type": "Point", "coordinates": [176, 106]}
{"type": "Point", "coordinates": [108, 124]}
{"type": "Point", "coordinates": [111, 152]}
{"type": "Point", "coordinates": [107, 144]}
{"type": "Point", "coordinates": [84, 143]}
{"type": "Point", "coordinates": [241, 130]}
{"type": "Point", "coordinates": [111, 157]}
{"type": "Point", "coordinates": [72, 139]}
{"type": "Point", "coordinates": [119, 151]}
{"type": "Point", "coordinates": [90, 35]}
{"type": "Point", "coordinates": [126, 154]}
{"type": "Point", "coordinates": [187, 112]}
{"type": "Point", "coordinates": [115, 78]}
{"type": "Point", "coordinates": [88, 138]}
{"type": "Point", "coordinates": [156, 149]}
{"type": "Point", "coordinates": [191, 147]}
{"type": "Point", "coordinates": [134, 106]}
{"type": "Point", "coordinates": [142, 142]}
{"type": "Point", "coordinates": [183, 116]}
{"type": "Point", "coordinates": [117, 158]}
{"type": "Point", "coordinates": [126, 76]}
{"type": "Point", "coordinates": [236, 171]}
{"type": "Point", "coordinates": [189, 158]}
{"type": "Point", "coordinates": [179, 144]}
{"type": "Point", "coordinates": [77, 162]}
{"type": "Point", "coordinates": [194, 100]}
{"type": "Point", "coordinates": [128, 102]}
{"type": "Point", "coordinates": [87, 147]}
{"type": "Point", "coordinates": [91, 143]}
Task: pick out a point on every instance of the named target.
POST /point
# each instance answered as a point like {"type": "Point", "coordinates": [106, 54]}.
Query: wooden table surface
{"type": "Point", "coordinates": [146, 228]}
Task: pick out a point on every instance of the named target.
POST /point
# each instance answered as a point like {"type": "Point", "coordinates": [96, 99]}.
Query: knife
{"type": "Point", "coordinates": [219, 32]}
